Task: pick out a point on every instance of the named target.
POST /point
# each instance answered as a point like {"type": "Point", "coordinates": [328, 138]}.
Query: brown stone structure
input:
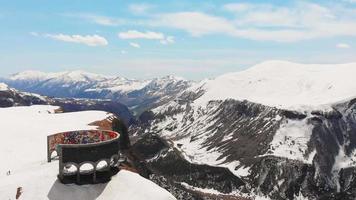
{"type": "Point", "coordinates": [86, 156]}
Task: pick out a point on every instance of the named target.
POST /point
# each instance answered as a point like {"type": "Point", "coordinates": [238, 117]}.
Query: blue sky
{"type": "Point", "coordinates": [192, 39]}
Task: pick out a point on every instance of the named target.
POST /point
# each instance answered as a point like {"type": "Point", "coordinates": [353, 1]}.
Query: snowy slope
{"type": "Point", "coordinates": [119, 84]}
{"type": "Point", "coordinates": [40, 183]}
{"type": "Point", "coordinates": [284, 85]}
{"type": "Point", "coordinates": [24, 131]}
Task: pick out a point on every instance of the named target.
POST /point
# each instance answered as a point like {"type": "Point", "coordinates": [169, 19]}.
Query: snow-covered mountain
{"type": "Point", "coordinates": [286, 130]}
{"type": "Point", "coordinates": [137, 94]}
{"type": "Point", "coordinates": [61, 84]}
{"type": "Point", "coordinates": [283, 84]}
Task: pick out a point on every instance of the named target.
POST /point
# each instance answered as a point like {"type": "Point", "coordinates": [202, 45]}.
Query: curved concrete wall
{"type": "Point", "coordinates": [76, 148]}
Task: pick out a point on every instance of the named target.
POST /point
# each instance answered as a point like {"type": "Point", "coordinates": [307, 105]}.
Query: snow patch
{"type": "Point", "coordinates": [203, 190]}
{"type": "Point", "coordinates": [243, 171]}
{"type": "Point", "coordinates": [291, 140]}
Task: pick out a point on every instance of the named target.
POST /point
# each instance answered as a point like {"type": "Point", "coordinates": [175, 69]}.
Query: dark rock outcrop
{"type": "Point", "coordinates": [12, 97]}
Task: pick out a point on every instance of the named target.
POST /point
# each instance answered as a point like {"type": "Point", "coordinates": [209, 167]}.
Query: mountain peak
{"type": "Point", "coordinates": [80, 75]}
{"type": "Point", "coordinates": [173, 77]}
{"type": "Point", "coordinates": [28, 75]}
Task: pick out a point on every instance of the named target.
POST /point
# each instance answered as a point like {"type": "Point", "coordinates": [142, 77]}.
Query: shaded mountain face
{"type": "Point", "coordinates": [279, 153]}
{"type": "Point", "coordinates": [139, 95]}
{"type": "Point", "coordinates": [10, 97]}
{"type": "Point", "coordinates": [282, 148]}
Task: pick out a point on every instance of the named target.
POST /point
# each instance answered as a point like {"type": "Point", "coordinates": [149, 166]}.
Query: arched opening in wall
{"type": "Point", "coordinates": [114, 161]}
{"type": "Point", "coordinates": [102, 165]}
{"type": "Point", "coordinates": [54, 155]}
{"type": "Point", "coordinates": [86, 168]}
{"type": "Point", "coordinates": [70, 169]}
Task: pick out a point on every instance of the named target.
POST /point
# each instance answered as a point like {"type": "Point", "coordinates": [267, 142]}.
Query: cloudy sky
{"type": "Point", "coordinates": [193, 39]}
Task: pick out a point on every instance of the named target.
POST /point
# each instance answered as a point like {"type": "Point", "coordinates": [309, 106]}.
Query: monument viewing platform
{"type": "Point", "coordinates": [85, 156]}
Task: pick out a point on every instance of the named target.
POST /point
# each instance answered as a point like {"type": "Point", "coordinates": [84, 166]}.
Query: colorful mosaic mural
{"type": "Point", "coordinates": [79, 137]}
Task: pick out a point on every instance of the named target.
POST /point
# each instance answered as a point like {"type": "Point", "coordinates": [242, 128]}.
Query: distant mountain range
{"type": "Point", "coordinates": [10, 97]}
{"type": "Point", "coordinates": [139, 95]}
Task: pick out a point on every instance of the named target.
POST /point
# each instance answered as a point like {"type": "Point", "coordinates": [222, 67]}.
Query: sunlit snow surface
{"type": "Point", "coordinates": [23, 152]}
{"type": "Point", "coordinates": [291, 141]}
{"type": "Point", "coordinates": [284, 84]}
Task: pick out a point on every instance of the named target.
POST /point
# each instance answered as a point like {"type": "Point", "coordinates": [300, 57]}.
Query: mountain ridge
{"type": "Point", "coordinates": [283, 85]}
{"type": "Point", "coordinates": [140, 95]}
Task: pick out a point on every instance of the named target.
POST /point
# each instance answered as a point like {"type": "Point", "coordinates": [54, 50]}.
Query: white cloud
{"type": "Point", "coordinates": [266, 22]}
{"type": "Point", "coordinates": [34, 34]}
{"type": "Point", "coordinates": [195, 23]}
{"type": "Point", "coordinates": [343, 46]}
{"type": "Point", "coordinates": [133, 34]}
{"type": "Point", "coordinates": [135, 45]}
{"type": "Point", "coordinates": [106, 21]}
{"type": "Point", "coordinates": [148, 35]}
{"type": "Point", "coordinates": [298, 21]}
{"type": "Point", "coordinates": [139, 8]}
{"type": "Point", "coordinates": [98, 19]}
{"type": "Point", "coordinates": [90, 40]}
{"type": "Point", "coordinates": [123, 52]}
{"type": "Point", "coordinates": [168, 40]}
{"type": "Point", "coordinates": [237, 7]}
{"type": "Point", "coordinates": [350, 1]}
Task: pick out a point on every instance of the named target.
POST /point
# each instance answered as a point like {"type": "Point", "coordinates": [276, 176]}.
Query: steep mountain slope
{"type": "Point", "coordinates": [23, 152]}
{"type": "Point", "coordinates": [11, 97]}
{"type": "Point", "coordinates": [137, 94]}
{"type": "Point", "coordinates": [287, 130]}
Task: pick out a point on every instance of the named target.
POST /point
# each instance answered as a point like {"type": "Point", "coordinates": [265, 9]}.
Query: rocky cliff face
{"type": "Point", "coordinates": [273, 152]}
